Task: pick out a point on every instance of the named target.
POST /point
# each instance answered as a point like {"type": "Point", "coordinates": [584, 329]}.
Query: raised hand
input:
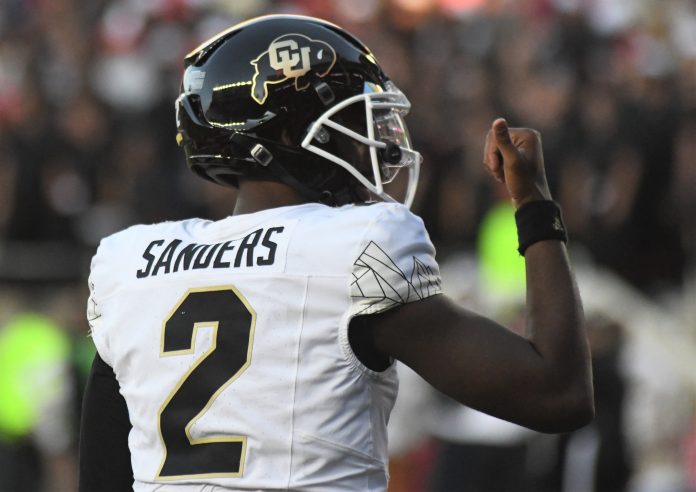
{"type": "Point", "coordinates": [514, 156]}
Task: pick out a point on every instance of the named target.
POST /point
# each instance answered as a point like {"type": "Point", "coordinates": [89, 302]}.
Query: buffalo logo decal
{"type": "Point", "coordinates": [290, 56]}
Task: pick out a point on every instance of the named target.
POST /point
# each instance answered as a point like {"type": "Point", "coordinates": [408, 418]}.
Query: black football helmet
{"type": "Point", "coordinates": [298, 100]}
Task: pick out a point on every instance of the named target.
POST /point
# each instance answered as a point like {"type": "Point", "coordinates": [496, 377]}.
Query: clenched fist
{"type": "Point", "coordinates": [514, 156]}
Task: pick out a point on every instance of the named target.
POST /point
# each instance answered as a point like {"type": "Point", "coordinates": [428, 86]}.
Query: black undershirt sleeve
{"type": "Point", "coordinates": [105, 463]}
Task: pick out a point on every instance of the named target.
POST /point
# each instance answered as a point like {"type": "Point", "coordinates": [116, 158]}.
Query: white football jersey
{"type": "Point", "coordinates": [229, 341]}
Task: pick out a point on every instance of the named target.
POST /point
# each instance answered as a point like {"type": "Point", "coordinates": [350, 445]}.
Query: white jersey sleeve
{"type": "Point", "coordinates": [396, 264]}
{"type": "Point", "coordinates": [103, 282]}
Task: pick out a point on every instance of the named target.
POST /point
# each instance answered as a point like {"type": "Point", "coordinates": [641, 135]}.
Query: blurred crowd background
{"type": "Point", "coordinates": [87, 148]}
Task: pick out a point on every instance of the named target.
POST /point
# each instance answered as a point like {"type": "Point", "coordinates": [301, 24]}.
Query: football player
{"type": "Point", "coordinates": [257, 352]}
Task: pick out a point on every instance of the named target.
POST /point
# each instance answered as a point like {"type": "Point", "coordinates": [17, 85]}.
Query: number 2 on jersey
{"type": "Point", "coordinates": [233, 321]}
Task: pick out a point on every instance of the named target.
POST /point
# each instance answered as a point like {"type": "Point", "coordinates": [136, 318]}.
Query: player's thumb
{"type": "Point", "coordinates": [501, 134]}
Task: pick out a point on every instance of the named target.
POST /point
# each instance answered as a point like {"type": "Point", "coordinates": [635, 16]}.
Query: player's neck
{"type": "Point", "coordinates": [257, 195]}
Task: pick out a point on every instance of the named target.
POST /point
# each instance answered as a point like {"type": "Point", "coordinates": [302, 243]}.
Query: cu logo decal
{"type": "Point", "coordinates": [290, 56]}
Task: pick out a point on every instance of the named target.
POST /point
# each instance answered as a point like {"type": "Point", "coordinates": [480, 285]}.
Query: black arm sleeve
{"type": "Point", "coordinates": [105, 463]}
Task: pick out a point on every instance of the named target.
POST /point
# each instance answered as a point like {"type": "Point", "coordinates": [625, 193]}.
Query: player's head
{"type": "Point", "coordinates": [298, 100]}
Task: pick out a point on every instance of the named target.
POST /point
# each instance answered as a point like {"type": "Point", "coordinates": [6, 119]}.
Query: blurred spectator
{"type": "Point", "coordinates": [597, 457]}
{"type": "Point", "coordinates": [36, 412]}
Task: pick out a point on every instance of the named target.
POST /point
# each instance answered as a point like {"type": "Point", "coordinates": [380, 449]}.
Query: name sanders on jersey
{"type": "Point", "coordinates": [255, 249]}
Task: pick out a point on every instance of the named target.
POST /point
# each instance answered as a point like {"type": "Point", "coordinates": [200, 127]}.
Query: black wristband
{"type": "Point", "coordinates": [539, 221]}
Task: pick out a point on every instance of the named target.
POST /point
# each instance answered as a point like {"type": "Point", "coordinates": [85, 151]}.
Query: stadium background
{"type": "Point", "coordinates": [87, 148]}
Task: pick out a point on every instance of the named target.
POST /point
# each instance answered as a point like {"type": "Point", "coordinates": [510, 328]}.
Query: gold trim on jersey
{"type": "Point", "coordinates": [213, 346]}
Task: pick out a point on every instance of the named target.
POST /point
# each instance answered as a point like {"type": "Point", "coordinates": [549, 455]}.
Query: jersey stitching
{"type": "Point", "coordinates": [335, 445]}
{"type": "Point", "coordinates": [294, 387]}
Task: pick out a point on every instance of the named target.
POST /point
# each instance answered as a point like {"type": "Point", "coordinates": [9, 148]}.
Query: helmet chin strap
{"type": "Point", "coordinates": [265, 159]}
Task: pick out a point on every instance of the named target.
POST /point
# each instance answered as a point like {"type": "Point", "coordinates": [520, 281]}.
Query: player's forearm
{"type": "Point", "coordinates": [555, 326]}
